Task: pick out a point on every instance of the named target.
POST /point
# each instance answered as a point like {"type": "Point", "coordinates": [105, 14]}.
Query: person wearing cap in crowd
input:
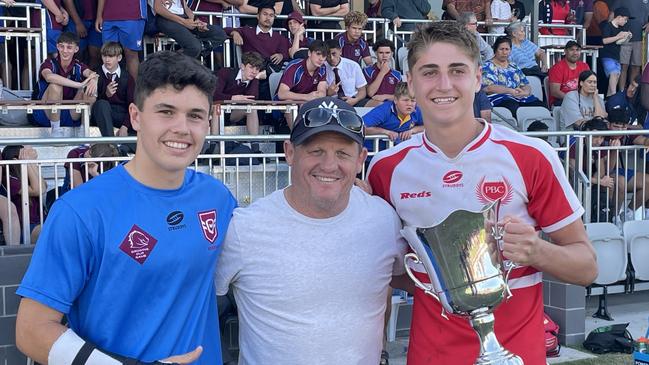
{"type": "Point", "coordinates": [298, 42]}
{"type": "Point", "coordinates": [563, 76]}
{"type": "Point", "coordinates": [629, 100]}
{"type": "Point", "coordinates": [613, 35]}
{"type": "Point", "coordinates": [311, 282]}
{"type": "Point", "coordinates": [631, 51]}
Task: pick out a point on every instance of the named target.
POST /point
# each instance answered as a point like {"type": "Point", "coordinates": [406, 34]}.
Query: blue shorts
{"type": "Point", "coordinates": [93, 38]}
{"type": "Point", "coordinates": [41, 119]}
{"type": "Point", "coordinates": [611, 66]}
{"type": "Point", "coordinates": [628, 173]}
{"type": "Point", "coordinates": [128, 33]}
{"type": "Point", "coordinates": [52, 37]}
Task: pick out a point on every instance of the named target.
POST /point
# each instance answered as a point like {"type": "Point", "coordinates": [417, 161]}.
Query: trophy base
{"type": "Point", "coordinates": [492, 352]}
{"type": "Point", "coordinates": [502, 357]}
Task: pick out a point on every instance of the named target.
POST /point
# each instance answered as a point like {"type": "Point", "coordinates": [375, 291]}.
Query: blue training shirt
{"type": "Point", "coordinates": [385, 116]}
{"type": "Point", "coordinates": [133, 266]}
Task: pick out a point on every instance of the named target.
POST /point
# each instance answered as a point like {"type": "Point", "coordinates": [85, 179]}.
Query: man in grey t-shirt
{"type": "Point", "coordinates": [310, 265]}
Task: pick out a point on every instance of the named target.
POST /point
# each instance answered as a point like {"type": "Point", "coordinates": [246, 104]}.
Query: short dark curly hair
{"type": "Point", "coordinates": [167, 68]}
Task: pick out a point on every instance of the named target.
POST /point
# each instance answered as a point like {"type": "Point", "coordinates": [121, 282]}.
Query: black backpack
{"type": "Point", "coordinates": [614, 338]}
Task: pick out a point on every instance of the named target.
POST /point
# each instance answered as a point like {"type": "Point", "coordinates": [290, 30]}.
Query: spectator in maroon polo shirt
{"type": "Point", "coordinates": [306, 79]}
{"type": "Point", "coordinates": [241, 85]}
{"type": "Point", "coordinates": [298, 43]}
{"type": "Point", "coordinates": [252, 7]}
{"type": "Point", "coordinates": [381, 78]}
{"type": "Point", "coordinates": [77, 173]}
{"type": "Point", "coordinates": [352, 43]}
{"type": "Point", "coordinates": [115, 89]}
{"type": "Point", "coordinates": [35, 184]}
{"type": "Point", "coordinates": [270, 44]}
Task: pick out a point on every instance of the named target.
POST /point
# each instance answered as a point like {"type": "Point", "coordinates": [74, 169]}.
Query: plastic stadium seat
{"type": "Point", "coordinates": [537, 87]}
{"type": "Point", "coordinates": [546, 89]}
{"type": "Point", "coordinates": [402, 56]}
{"type": "Point", "coordinates": [612, 260]}
{"type": "Point", "coordinates": [503, 116]}
{"type": "Point", "coordinates": [636, 235]}
{"type": "Point", "coordinates": [528, 114]}
{"type": "Point", "coordinates": [273, 82]}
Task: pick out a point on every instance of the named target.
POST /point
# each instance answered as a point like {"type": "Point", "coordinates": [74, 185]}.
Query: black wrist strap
{"type": "Point", "coordinates": [87, 349]}
{"type": "Point", "coordinates": [83, 354]}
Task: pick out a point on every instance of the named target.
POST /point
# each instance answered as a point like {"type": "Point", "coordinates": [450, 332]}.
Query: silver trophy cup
{"type": "Point", "coordinates": [462, 258]}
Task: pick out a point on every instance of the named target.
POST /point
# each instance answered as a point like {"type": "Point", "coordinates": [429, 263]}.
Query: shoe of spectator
{"type": "Point", "coordinates": [57, 133]}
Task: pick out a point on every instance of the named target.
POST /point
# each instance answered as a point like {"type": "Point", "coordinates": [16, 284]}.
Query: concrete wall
{"type": "Point", "coordinates": [13, 263]}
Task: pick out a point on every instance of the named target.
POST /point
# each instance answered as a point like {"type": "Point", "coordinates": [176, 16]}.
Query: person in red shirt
{"type": "Point", "coordinates": [555, 12]}
{"type": "Point", "coordinates": [563, 75]}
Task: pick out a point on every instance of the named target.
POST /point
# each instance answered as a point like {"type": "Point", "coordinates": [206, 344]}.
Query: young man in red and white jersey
{"type": "Point", "coordinates": [460, 162]}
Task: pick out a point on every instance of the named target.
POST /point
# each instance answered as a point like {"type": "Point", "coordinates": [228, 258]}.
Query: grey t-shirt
{"type": "Point", "coordinates": [577, 107]}
{"type": "Point", "coordinates": [311, 291]}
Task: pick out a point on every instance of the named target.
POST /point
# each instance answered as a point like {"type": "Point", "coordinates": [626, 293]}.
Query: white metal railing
{"type": "Point", "coordinates": [35, 35]}
{"type": "Point", "coordinates": [55, 106]}
{"type": "Point", "coordinates": [375, 31]}
{"type": "Point", "coordinates": [253, 175]}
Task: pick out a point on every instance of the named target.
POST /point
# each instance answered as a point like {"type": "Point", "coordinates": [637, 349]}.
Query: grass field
{"type": "Point", "coordinates": [606, 359]}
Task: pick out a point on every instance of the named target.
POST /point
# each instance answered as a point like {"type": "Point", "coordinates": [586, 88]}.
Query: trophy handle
{"type": "Point", "coordinates": [509, 266]}
{"type": "Point", "coordinates": [415, 259]}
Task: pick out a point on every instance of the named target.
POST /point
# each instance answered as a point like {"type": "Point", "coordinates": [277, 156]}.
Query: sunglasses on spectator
{"type": "Point", "coordinates": [347, 119]}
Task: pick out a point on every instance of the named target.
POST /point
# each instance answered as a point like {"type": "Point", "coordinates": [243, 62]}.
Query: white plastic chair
{"type": "Point", "coordinates": [402, 56]}
{"type": "Point", "coordinates": [525, 115]}
{"type": "Point", "coordinates": [612, 260]}
{"type": "Point", "coordinates": [537, 87]}
{"type": "Point", "coordinates": [273, 82]}
{"type": "Point", "coordinates": [399, 298]}
{"type": "Point", "coordinates": [503, 116]}
{"type": "Point", "coordinates": [636, 235]}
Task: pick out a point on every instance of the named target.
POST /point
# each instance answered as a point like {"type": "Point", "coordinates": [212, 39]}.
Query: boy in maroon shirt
{"type": "Point", "coordinates": [306, 79]}
{"type": "Point", "coordinates": [352, 43]}
{"type": "Point", "coordinates": [241, 85]}
{"type": "Point", "coordinates": [64, 78]}
{"type": "Point", "coordinates": [381, 78]}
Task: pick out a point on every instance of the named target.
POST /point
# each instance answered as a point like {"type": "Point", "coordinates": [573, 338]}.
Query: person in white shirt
{"type": "Point", "coordinates": [501, 11]}
{"type": "Point", "coordinates": [344, 76]}
{"type": "Point", "coordinates": [310, 265]}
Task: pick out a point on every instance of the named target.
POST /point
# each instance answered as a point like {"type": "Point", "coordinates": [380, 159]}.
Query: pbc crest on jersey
{"type": "Point", "coordinates": [490, 191]}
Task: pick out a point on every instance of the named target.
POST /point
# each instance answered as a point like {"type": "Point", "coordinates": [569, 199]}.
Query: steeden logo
{"type": "Point", "coordinates": [138, 244]}
{"type": "Point", "coordinates": [452, 179]}
{"type": "Point", "coordinates": [174, 220]}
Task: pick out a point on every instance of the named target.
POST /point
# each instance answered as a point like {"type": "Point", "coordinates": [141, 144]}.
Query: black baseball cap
{"type": "Point", "coordinates": [571, 44]}
{"type": "Point", "coordinates": [347, 123]}
{"type": "Point", "coordinates": [623, 11]}
{"type": "Point", "coordinates": [618, 116]}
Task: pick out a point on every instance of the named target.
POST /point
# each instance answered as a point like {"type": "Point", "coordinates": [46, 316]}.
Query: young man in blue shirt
{"type": "Point", "coordinates": [133, 270]}
{"type": "Point", "coordinates": [398, 119]}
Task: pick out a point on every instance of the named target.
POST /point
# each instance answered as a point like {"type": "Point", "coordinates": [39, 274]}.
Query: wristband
{"type": "Point", "coordinates": [70, 349]}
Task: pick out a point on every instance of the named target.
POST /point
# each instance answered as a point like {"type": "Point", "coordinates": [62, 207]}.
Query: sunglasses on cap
{"type": "Point", "coordinates": [347, 119]}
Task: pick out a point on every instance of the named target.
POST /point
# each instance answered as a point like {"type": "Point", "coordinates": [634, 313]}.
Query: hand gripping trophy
{"type": "Point", "coordinates": [463, 261]}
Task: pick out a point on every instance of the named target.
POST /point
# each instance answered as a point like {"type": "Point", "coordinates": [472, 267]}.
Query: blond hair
{"type": "Point", "coordinates": [355, 17]}
{"type": "Point", "coordinates": [445, 32]}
